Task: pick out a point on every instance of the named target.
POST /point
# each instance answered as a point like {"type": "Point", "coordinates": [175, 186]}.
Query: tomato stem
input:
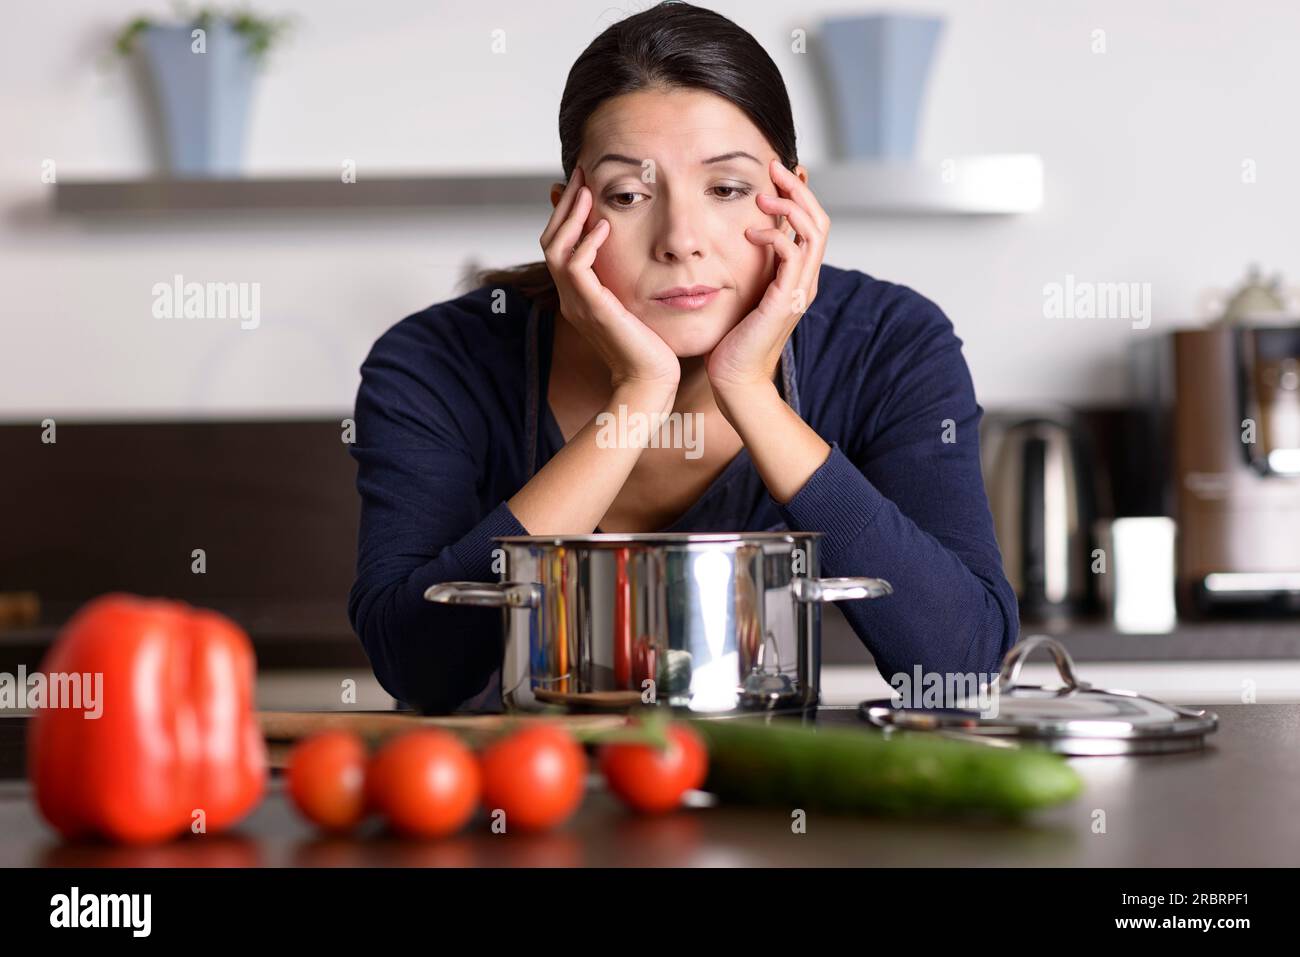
{"type": "Point", "coordinates": [648, 727]}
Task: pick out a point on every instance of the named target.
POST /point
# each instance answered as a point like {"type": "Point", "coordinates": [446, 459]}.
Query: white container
{"type": "Point", "coordinates": [1138, 579]}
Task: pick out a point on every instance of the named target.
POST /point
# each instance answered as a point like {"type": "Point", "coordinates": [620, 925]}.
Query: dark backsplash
{"type": "Point", "coordinates": [1129, 452]}
{"type": "Point", "coordinates": [122, 506]}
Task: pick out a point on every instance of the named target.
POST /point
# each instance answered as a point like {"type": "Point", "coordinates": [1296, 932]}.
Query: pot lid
{"type": "Point", "coordinates": [1074, 718]}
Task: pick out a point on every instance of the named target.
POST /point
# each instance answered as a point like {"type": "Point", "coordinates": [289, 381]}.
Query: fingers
{"type": "Point", "coordinates": [800, 193]}
{"type": "Point", "coordinates": [810, 239]}
{"type": "Point", "coordinates": [799, 218]}
{"type": "Point", "coordinates": [571, 264]}
{"type": "Point", "coordinates": [786, 296]}
{"type": "Point", "coordinates": [790, 254]}
{"type": "Point", "coordinates": [584, 254]}
{"type": "Point", "coordinates": [570, 254]}
{"type": "Point", "coordinates": [561, 246]}
{"type": "Point", "coordinates": [579, 265]}
{"type": "Point", "coordinates": [563, 207]}
{"type": "Point", "coordinates": [810, 221]}
{"type": "Point", "coordinates": [809, 234]}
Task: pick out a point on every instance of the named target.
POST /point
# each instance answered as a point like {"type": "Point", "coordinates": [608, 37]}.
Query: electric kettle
{"type": "Point", "coordinates": [1040, 488]}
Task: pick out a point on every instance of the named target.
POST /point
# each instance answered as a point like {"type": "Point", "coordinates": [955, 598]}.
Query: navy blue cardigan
{"type": "Point", "coordinates": [451, 420]}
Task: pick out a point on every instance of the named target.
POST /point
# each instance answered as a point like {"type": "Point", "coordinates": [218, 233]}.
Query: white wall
{"type": "Point", "coordinates": [1142, 145]}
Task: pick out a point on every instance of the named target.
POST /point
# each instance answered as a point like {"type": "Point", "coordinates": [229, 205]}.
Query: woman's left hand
{"type": "Point", "coordinates": [748, 355]}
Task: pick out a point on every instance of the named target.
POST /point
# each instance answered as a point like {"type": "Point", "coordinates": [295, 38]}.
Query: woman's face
{"type": "Point", "coordinates": [676, 174]}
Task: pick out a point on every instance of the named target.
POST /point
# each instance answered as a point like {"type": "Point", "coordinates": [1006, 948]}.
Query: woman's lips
{"type": "Point", "coordinates": [695, 300]}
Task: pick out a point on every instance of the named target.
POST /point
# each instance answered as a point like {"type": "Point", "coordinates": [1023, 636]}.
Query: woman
{"type": "Point", "coordinates": [830, 401]}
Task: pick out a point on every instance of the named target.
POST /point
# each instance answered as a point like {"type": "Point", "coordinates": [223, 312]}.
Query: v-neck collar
{"type": "Point", "coordinates": [542, 425]}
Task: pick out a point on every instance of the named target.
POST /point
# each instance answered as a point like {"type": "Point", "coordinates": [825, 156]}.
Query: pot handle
{"type": "Point", "coordinates": [839, 589]}
{"type": "Point", "coordinates": [486, 594]}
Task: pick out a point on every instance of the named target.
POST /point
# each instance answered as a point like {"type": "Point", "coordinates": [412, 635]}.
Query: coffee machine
{"type": "Point", "coordinates": [1227, 410]}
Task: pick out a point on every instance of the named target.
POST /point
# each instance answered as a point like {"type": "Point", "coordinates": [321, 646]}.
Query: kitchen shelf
{"type": "Point", "coordinates": [980, 185]}
{"type": "Point", "coordinates": [1003, 184]}
{"type": "Point", "coordinates": [301, 193]}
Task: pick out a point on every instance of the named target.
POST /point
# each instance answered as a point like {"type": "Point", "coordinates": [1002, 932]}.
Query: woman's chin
{"type": "Point", "coordinates": [689, 337]}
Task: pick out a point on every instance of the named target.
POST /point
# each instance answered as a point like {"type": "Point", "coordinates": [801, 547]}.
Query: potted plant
{"type": "Point", "coordinates": [200, 68]}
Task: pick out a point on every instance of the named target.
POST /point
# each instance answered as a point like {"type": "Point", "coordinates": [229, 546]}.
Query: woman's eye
{"type": "Point", "coordinates": [729, 194]}
{"type": "Point", "coordinates": [734, 192]}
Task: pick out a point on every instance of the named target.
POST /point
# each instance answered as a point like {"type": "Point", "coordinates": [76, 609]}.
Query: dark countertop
{"type": "Point", "coordinates": [1232, 803]}
{"type": "Point", "coordinates": [316, 635]}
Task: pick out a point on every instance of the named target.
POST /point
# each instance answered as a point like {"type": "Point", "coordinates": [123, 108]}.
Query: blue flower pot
{"type": "Point", "coordinates": [877, 69]}
{"type": "Point", "coordinates": [203, 98]}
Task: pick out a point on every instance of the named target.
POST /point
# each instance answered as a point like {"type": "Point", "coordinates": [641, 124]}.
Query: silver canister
{"type": "Point", "coordinates": [701, 622]}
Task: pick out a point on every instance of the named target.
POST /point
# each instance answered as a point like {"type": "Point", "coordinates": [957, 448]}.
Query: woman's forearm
{"type": "Point", "coordinates": [952, 610]}
{"type": "Point", "coordinates": [572, 492]}
{"type": "Point", "coordinates": [785, 450]}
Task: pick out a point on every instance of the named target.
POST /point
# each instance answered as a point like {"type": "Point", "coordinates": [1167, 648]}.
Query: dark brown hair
{"type": "Point", "coordinates": [672, 45]}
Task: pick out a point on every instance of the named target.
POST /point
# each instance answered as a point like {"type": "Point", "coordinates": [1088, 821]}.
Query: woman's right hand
{"type": "Point", "coordinates": [637, 357]}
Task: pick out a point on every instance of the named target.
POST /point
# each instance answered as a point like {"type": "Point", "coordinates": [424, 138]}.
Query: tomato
{"type": "Point", "coordinates": [425, 783]}
{"type": "Point", "coordinates": [536, 775]}
{"type": "Point", "coordinates": [697, 756]}
{"type": "Point", "coordinates": [652, 779]}
{"type": "Point", "coordinates": [326, 780]}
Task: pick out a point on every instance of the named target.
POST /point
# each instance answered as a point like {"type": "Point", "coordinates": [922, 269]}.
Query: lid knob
{"type": "Point", "coordinates": [1011, 664]}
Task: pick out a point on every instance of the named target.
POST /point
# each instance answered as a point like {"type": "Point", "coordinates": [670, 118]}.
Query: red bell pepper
{"type": "Point", "coordinates": [176, 734]}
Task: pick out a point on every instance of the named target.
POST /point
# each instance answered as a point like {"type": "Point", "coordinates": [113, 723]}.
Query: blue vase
{"type": "Point", "coordinates": [877, 68]}
{"type": "Point", "coordinates": [203, 98]}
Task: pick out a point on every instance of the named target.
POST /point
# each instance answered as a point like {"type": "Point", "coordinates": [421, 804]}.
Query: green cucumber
{"type": "Point", "coordinates": [862, 770]}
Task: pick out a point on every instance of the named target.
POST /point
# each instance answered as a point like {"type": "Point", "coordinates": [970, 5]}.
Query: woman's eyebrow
{"type": "Point", "coordinates": [630, 161]}
{"type": "Point", "coordinates": [615, 158]}
{"type": "Point", "coordinates": [735, 154]}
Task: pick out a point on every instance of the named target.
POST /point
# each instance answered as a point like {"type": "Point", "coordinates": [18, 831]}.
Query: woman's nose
{"type": "Point", "coordinates": [679, 233]}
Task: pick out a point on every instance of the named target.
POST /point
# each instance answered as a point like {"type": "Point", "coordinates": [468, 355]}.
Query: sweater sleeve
{"type": "Point", "coordinates": [419, 449]}
{"type": "Point", "coordinates": [907, 504]}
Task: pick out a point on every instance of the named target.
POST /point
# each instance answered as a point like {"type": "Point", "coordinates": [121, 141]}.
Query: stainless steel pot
{"type": "Point", "coordinates": [701, 622]}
